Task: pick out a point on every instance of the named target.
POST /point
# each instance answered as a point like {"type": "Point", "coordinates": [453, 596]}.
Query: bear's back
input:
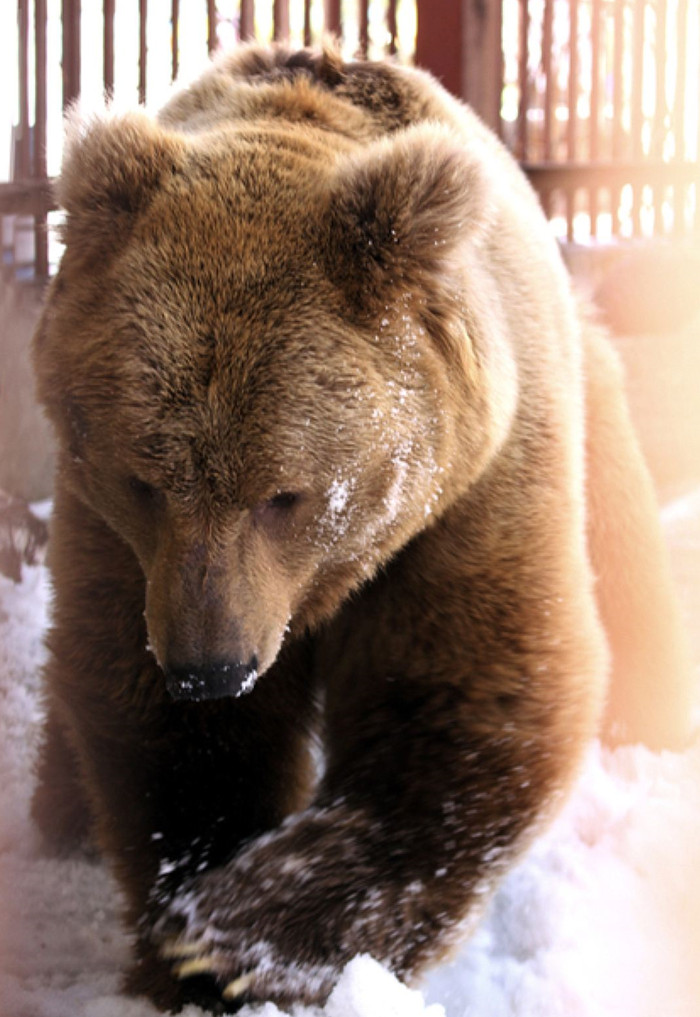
{"type": "Point", "coordinates": [316, 88]}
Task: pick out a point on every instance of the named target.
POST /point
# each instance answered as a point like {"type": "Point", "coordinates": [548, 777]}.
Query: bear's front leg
{"type": "Point", "coordinates": [456, 714]}
{"type": "Point", "coordinates": [395, 859]}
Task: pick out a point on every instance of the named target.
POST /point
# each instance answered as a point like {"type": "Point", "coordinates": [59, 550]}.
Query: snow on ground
{"type": "Point", "coordinates": [600, 919]}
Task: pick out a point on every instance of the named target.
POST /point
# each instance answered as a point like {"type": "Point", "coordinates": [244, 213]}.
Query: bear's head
{"type": "Point", "coordinates": [258, 373]}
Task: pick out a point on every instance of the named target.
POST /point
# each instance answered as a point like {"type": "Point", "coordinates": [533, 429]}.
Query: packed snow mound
{"type": "Point", "coordinates": [600, 919]}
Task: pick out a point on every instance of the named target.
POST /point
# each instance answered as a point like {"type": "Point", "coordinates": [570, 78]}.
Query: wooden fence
{"type": "Point", "coordinates": [607, 119]}
{"type": "Point", "coordinates": [598, 99]}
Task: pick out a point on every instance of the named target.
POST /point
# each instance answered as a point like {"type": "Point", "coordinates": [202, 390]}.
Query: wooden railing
{"type": "Point", "coordinates": [607, 121]}
{"type": "Point", "coordinates": [598, 99]}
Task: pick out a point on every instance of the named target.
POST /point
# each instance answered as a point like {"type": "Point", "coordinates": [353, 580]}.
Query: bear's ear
{"type": "Point", "coordinates": [398, 210]}
{"type": "Point", "coordinates": [111, 169]}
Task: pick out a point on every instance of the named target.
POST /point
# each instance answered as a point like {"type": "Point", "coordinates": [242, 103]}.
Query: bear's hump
{"type": "Point", "coordinates": [356, 99]}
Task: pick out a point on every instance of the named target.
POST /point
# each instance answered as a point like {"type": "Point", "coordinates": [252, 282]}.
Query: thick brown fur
{"type": "Point", "coordinates": [319, 384]}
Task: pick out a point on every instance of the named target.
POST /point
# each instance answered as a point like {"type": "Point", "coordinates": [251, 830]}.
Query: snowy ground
{"type": "Point", "coordinates": [601, 919]}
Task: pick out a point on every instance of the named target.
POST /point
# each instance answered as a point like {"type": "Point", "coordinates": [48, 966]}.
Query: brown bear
{"type": "Point", "coordinates": [320, 386]}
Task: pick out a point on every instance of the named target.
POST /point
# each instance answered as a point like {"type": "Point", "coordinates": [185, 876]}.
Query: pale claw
{"type": "Point", "coordinates": [196, 966]}
{"type": "Point", "coordinates": [238, 986]}
{"type": "Point", "coordinates": [175, 948]}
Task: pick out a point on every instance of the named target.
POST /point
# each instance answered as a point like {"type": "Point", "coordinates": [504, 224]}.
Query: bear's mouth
{"type": "Point", "coordinates": [211, 681]}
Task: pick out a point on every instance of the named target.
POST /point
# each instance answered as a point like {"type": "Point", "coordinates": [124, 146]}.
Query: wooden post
{"type": "Point", "coordinates": [332, 18]}
{"type": "Point", "coordinates": [482, 58]}
{"type": "Point", "coordinates": [143, 49]}
{"type": "Point", "coordinates": [363, 16]}
{"type": "Point", "coordinates": [619, 140]}
{"type": "Point", "coordinates": [22, 167]}
{"type": "Point", "coordinates": [679, 192]}
{"type": "Point", "coordinates": [594, 122]}
{"type": "Point", "coordinates": [392, 27]}
{"type": "Point", "coordinates": [523, 81]}
{"type": "Point", "coordinates": [211, 26]}
{"type": "Point", "coordinates": [572, 125]}
{"type": "Point", "coordinates": [247, 28]}
{"type": "Point", "coordinates": [636, 105]}
{"type": "Point", "coordinates": [174, 39]}
{"type": "Point", "coordinates": [108, 44]}
{"type": "Point", "coordinates": [281, 20]}
{"type": "Point", "coordinates": [71, 50]}
{"type": "Point", "coordinates": [460, 42]}
{"type": "Point", "coordinates": [440, 41]}
{"type": "Point", "coordinates": [41, 253]}
{"type": "Point", "coordinates": [307, 22]}
{"type": "Point", "coordinates": [549, 97]}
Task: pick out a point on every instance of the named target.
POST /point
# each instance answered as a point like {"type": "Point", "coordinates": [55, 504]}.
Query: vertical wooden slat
{"type": "Point", "coordinates": [547, 72]}
{"type": "Point", "coordinates": [546, 196]}
{"type": "Point", "coordinates": [523, 81]}
{"type": "Point", "coordinates": [307, 22]}
{"type": "Point", "coordinates": [211, 26]}
{"type": "Point", "coordinates": [659, 129]}
{"type": "Point", "coordinates": [596, 54]}
{"type": "Point", "coordinates": [392, 27]}
{"type": "Point", "coordinates": [143, 49]}
{"type": "Point", "coordinates": [680, 97]}
{"type": "Point", "coordinates": [71, 50]}
{"type": "Point", "coordinates": [40, 95]}
{"type": "Point", "coordinates": [572, 123]}
{"type": "Point", "coordinates": [108, 45]}
{"type": "Point", "coordinates": [41, 255]}
{"type": "Point", "coordinates": [679, 113]}
{"type": "Point", "coordinates": [697, 112]}
{"type": "Point", "coordinates": [636, 103]}
{"type": "Point", "coordinates": [696, 185]}
{"type": "Point", "coordinates": [247, 19]}
{"type": "Point", "coordinates": [280, 13]}
{"type": "Point", "coordinates": [332, 18]}
{"type": "Point", "coordinates": [480, 58]}
{"type": "Point", "coordinates": [618, 134]}
{"type": "Point", "coordinates": [174, 39]}
{"type": "Point", "coordinates": [363, 26]}
{"type": "Point", "coordinates": [497, 61]}
{"type": "Point", "coordinates": [23, 164]}
{"type": "Point", "coordinates": [618, 79]}
{"type": "Point", "coordinates": [439, 41]}
{"type": "Point", "coordinates": [593, 147]}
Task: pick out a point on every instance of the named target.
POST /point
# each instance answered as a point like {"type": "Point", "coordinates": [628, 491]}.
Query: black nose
{"type": "Point", "coordinates": [197, 682]}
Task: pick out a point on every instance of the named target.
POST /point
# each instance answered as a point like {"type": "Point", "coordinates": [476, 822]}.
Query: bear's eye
{"type": "Point", "coordinates": [141, 489]}
{"type": "Point", "coordinates": [282, 502]}
{"type": "Point", "coordinates": [276, 511]}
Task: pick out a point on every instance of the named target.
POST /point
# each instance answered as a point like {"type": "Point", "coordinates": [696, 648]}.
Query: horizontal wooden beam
{"type": "Point", "coordinates": [611, 174]}
{"type": "Point", "coordinates": [35, 197]}
{"type": "Point", "coordinates": [27, 197]}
